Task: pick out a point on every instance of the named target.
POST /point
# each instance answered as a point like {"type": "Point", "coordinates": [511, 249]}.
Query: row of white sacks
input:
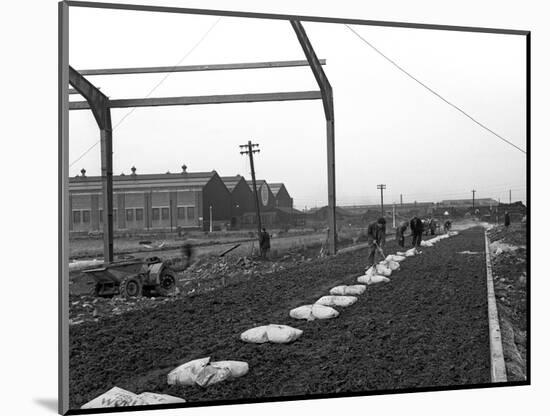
{"type": "Point", "coordinates": [204, 373]}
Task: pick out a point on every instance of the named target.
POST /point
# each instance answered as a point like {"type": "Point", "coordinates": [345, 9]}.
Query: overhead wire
{"type": "Point", "coordinates": [155, 87]}
{"type": "Point", "coordinates": [395, 64]}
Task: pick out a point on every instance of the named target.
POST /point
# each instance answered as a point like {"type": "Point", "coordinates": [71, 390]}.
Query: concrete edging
{"type": "Point", "coordinates": [498, 367]}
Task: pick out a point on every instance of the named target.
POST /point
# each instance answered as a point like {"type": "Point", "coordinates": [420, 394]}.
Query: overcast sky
{"type": "Point", "coordinates": [388, 128]}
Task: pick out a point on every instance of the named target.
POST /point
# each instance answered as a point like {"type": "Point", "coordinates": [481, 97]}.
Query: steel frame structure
{"type": "Point", "coordinates": [100, 106]}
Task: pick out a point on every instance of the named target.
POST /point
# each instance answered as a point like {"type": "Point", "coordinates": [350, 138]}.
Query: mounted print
{"type": "Point", "coordinates": [267, 207]}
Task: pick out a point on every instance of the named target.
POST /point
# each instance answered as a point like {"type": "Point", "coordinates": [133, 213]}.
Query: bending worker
{"type": "Point", "coordinates": [400, 233]}
{"type": "Point", "coordinates": [417, 228]}
{"type": "Point", "coordinates": [376, 238]}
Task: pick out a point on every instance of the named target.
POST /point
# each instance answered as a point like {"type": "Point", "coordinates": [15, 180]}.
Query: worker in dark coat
{"type": "Point", "coordinates": [433, 226]}
{"type": "Point", "coordinates": [376, 239]}
{"type": "Point", "coordinates": [265, 243]}
{"type": "Point", "coordinates": [506, 219]}
{"type": "Point", "coordinates": [400, 233]}
{"type": "Point", "coordinates": [187, 254]}
{"type": "Point", "coordinates": [417, 228]}
{"type": "Point", "coordinates": [447, 226]}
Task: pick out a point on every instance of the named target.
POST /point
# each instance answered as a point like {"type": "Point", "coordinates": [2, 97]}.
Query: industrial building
{"type": "Point", "coordinates": [177, 200]}
{"type": "Point", "coordinates": [150, 201]}
{"type": "Point", "coordinates": [282, 197]}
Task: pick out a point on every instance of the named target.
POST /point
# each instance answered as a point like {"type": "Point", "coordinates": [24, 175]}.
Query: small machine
{"type": "Point", "coordinates": [133, 278]}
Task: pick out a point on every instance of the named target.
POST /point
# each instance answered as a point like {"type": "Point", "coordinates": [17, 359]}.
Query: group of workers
{"type": "Point", "coordinates": [376, 234]}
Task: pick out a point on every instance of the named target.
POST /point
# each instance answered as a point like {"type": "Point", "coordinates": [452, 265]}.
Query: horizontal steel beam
{"type": "Point", "coordinates": [272, 16]}
{"type": "Point", "coordinates": [71, 91]}
{"type": "Point", "coordinates": [195, 68]}
{"type": "Point", "coordinates": [204, 99]}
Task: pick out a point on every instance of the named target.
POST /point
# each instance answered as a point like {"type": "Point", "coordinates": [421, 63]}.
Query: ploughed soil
{"type": "Point", "coordinates": [426, 327]}
{"type": "Point", "coordinates": [509, 261]}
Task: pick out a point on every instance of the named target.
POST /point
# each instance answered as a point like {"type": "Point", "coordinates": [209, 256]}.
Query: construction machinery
{"type": "Point", "coordinates": [133, 278]}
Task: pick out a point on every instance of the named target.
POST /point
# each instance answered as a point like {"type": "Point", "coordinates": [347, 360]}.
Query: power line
{"type": "Point", "coordinates": [158, 84]}
{"type": "Point", "coordinates": [432, 91]}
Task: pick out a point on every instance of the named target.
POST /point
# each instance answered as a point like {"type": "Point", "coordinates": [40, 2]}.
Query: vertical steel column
{"type": "Point", "coordinates": [331, 173]}
{"type": "Point", "coordinates": [99, 104]}
{"type": "Point", "coordinates": [328, 105]}
{"type": "Point", "coordinates": [64, 208]}
{"type": "Point", "coordinates": [106, 143]}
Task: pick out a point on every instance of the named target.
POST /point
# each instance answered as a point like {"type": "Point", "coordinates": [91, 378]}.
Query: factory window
{"type": "Point", "coordinates": [165, 213]}
{"type": "Point", "coordinates": [156, 214]}
{"type": "Point", "coordinates": [86, 217]}
{"type": "Point", "coordinates": [139, 214]}
{"type": "Point", "coordinates": [129, 215]}
{"type": "Point", "coordinates": [191, 213]}
{"type": "Point", "coordinates": [76, 217]}
{"type": "Point", "coordinates": [181, 213]}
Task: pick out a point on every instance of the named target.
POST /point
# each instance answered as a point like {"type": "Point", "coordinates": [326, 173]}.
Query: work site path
{"type": "Point", "coordinates": [427, 327]}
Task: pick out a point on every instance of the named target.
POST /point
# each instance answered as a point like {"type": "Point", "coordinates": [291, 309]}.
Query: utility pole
{"type": "Point", "coordinates": [250, 152]}
{"type": "Point", "coordinates": [401, 200]}
{"type": "Point", "coordinates": [394, 215]}
{"type": "Point", "coordinates": [211, 229]}
{"type": "Point", "coordinates": [473, 199]}
{"type": "Point", "coordinates": [381, 187]}
{"type": "Point", "coordinates": [510, 196]}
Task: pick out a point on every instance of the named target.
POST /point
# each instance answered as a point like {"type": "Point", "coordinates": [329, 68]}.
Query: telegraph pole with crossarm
{"type": "Point", "coordinates": [250, 152]}
{"type": "Point", "coordinates": [381, 187]}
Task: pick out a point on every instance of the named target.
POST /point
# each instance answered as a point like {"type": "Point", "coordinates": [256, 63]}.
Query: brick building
{"type": "Point", "coordinates": [150, 201]}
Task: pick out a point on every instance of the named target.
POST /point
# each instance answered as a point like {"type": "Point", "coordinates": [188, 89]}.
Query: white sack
{"type": "Point", "coordinates": [116, 397]}
{"type": "Point", "coordinates": [256, 335]}
{"type": "Point", "coordinates": [236, 368]}
{"type": "Point", "coordinates": [219, 371]}
{"type": "Point", "coordinates": [211, 375]}
{"type": "Point", "coordinates": [282, 334]}
{"type": "Point", "coordinates": [411, 252]}
{"type": "Point", "coordinates": [186, 374]}
{"type": "Point", "coordinates": [302, 312]}
{"type": "Point", "coordinates": [424, 243]}
{"type": "Point", "coordinates": [452, 233]}
{"type": "Point", "coordinates": [378, 279]}
{"type": "Point", "coordinates": [278, 334]}
{"type": "Point", "coordinates": [394, 257]}
{"type": "Point", "coordinates": [392, 265]}
{"type": "Point", "coordinates": [154, 398]}
{"type": "Point", "coordinates": [348, 290]}
{"type": "Point", "coordinates": [323, 312]}
{"type": "Point", "coordinates": [401, 253]}
{"type": "Point", "coordinates": [383, 270]}
{"type": "Point", "coordinates": [312, 312]}
{"type": "Point", "coordinates": [371, 279]}
{"type": "Point", "coordinates": [342, 301]}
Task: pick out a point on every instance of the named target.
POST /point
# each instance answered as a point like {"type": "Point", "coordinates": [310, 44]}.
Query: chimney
{"type": "Point", "coordinates": [183, 169]}
{"type": "Point", "coordinates": [133, 171]}
{"type": "Point", "coordinates": [83, 172]}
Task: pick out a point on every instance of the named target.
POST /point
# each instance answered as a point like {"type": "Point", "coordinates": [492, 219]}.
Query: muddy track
{"type": "Point", "coordinates": [427, 327]}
